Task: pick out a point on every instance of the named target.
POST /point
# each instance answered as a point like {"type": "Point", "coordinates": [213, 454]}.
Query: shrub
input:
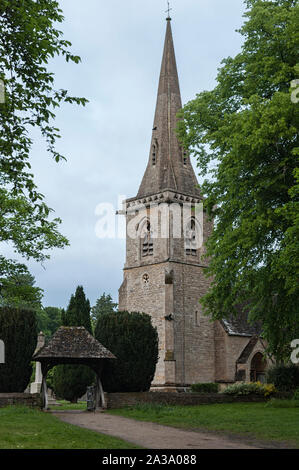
{"type": "Point", "coordinates": [70, 381]}
{"type": "Point", "coordinates": [296, 395]}
{"type": "Point", "coordinates": [284, 377]}
{"type": "Point", "coordinates": [252, 388]}
{"type": "Point", "coordinates": [132, 338]}
{"type": "Point", "coordinates": [205, 388]}
{"type": "Point", "coordinates": [18, 330]}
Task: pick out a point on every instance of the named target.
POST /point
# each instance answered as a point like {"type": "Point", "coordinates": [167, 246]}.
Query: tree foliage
{"type": "Point", "coordinates": [70, 381]}
{"type": "Point", "coordinates": [104, 304]}
{"type": "Point", "coordinates": [28, 41]}
{"type": "Point", "coordinates": [19, 332]}
{"type": "Point", "coordinates": [134, 341]}
{"type": "Point", "coordinates": [244, 134]}
{"type": "Point", "coordinates": [19, 290]}
{"type": "Point", "coordinates": [49, 320]}
{"type": "Point", "coordinates": [78, 311]}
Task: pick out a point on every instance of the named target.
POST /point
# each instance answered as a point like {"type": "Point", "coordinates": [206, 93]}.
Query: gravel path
{"type": "Point", "coordinates": [149, 435]}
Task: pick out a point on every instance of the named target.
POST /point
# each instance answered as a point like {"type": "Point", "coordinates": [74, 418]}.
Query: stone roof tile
{"type": "Point", "coordinates": [70, 342]}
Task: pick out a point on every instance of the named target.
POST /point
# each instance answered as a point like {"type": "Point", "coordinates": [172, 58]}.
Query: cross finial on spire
{"type": "Point", "coordinates": [168, 11]}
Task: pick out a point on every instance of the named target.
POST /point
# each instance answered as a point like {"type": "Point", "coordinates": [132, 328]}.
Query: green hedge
{"type": "Point", "coordinates": [18, 330]}
{"type": "Point", "coordinates": [205, 388]}
{"type": "Point", "coordinates": [284, 377]}
{"type": "Point", "coordinates": [132, 338]}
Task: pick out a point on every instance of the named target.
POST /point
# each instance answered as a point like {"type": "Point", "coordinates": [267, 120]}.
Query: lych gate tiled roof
{"type": "Point", "coordinates": [70, 342]}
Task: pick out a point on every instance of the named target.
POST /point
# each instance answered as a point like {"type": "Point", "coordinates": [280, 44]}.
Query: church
{"type": "Point", "coordinates": [164, 274]}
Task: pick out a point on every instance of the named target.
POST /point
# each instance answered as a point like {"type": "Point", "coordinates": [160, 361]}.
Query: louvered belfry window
{"type": "Point", "coordinates": [147, 242]}
{"type": "Point", "coordinates": [190, 241]}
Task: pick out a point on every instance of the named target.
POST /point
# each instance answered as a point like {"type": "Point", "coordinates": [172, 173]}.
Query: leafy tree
{"type": "Point", "coordinates": [70, 381]}
{"type": "Point", "coordinates": [28, 41]}
{"type": "Point", "coordinates": [132, 338]}
{"type": "Point", "coordinates": [49, 320]}
{"type": "Point", "coordinates": [18, 290]}
{"type": "Point", "coordinates": [24, 224]}
{"type": "Point", "coordinates": [244, 134]}
{"type": "Point", "coordinates": [19, 332]}
{"type": "Point", "coordinates": [104, 304]}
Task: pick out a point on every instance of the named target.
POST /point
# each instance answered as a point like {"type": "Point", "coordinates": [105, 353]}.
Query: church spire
{"type": "Point", "coordinates": [169, 165]}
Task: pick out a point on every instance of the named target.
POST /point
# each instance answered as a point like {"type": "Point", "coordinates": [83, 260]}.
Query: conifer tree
{"type": "Point", "coordinates": [133, 339]}
{"type": "Point", "coordinates": [104, 304]}
{"type": "Point", "coordinates": [18, 331]}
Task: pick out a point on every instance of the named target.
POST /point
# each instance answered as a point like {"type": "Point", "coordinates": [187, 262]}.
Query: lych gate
{"type": "Point", "coordinates": [73, 345]}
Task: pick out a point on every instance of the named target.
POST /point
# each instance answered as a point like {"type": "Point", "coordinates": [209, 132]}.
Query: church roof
{"type": "Point", "coordinates": [169, 166]}
{"type": "Point", "coordinates": [71, 342]}
{"type": "Point", "coordinates": [238, 324]}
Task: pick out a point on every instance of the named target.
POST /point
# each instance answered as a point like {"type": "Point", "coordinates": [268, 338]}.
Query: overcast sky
{"type": "Point", "coordinates": [107, 143]}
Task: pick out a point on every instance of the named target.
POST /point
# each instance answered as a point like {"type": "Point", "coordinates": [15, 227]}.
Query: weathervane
{"type": "Point", "coordinates": [168, 11]}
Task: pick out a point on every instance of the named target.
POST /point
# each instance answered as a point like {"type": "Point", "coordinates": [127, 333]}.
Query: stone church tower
{"type": "Point", "coordinates": [164, 273]}
{"type": "Point", "coordinates": [162, 277]}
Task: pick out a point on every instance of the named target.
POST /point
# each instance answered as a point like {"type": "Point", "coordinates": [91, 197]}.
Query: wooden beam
{"type": "Point", "coordinates": [100, 396]}
{"type": "Point", "coordinates": [103, 401]}
{"type": "Point", "coordinates": [45, 393]}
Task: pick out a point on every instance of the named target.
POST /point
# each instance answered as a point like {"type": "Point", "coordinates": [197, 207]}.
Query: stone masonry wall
{"type": "Point", "coordinates": [186, 343]}
{"type": "Point", "coordinates": [148, 298]}
{"type": "Point", "coordinates": [220, 353]}
{"type": "Point", "coordinates": [26, 399]}
{"type": "Point", "coordinates": [194, 332]}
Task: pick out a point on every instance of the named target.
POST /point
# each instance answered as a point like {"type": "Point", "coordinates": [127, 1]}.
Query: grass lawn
{"type": "Point", "coordinates": [26, 428]}
{"type": "Point", "coordinates": [275, 420]}
{"type": "Point", "coordinates": [66, 405]}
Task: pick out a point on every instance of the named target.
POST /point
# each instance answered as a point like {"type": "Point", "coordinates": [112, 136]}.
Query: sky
{"type": "Point", "coordinates": [107, 143]}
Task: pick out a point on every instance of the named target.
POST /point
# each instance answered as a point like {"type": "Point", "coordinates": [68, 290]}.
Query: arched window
{"type": "Point", "coordinates": [190, 238]}
{"type": "Point", "coordinates": [147, 246]}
